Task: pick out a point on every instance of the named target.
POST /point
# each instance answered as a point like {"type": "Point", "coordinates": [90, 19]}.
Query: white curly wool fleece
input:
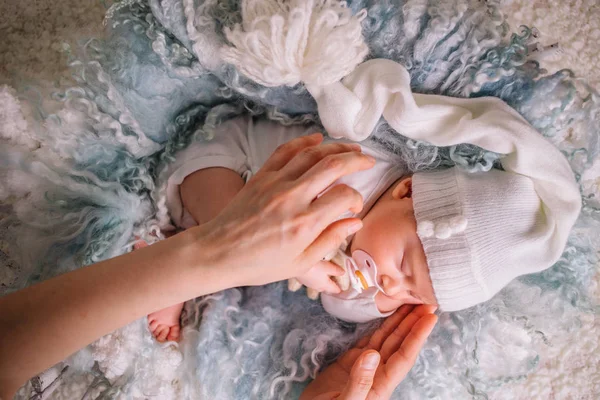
{"type": "Point", "coordinates": [479, 230]}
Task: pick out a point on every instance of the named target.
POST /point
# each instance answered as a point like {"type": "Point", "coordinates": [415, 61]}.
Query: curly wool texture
{"type": "Point", "coordinates": [157, 83]}
{"type": "Point", "coordinates": [315, 42]}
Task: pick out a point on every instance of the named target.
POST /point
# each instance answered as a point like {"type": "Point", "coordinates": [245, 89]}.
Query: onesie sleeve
{"type": "Point", "coordinates": [228, 148]}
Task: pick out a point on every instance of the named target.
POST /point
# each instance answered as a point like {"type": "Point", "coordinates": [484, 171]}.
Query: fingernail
{"type": "Point", "coordinates": [370, 158]}
{"type": "Point", "coordinates": [355, 147]}
{"type": "Point", "coordinates": [371, 361]}
{"type": "Point", "coordinates": [355, 227]}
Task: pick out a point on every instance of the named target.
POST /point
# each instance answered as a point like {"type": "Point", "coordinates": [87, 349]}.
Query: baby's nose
{"type": "Point", "coordinates": [391, 286]}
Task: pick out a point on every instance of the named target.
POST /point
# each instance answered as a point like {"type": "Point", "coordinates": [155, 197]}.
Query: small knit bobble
{"type": "Point", "coordinates": [458, 223]}
{"type": "Point", "coordinates": [443, 229]}
{"type": "Point", "coordinates": [317, 42]}
{"type": "Point", "coordinates": [425, 229]}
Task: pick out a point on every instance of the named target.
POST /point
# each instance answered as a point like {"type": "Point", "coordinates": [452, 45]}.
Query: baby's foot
{"type": "Point", "coordinates": [164, 324]}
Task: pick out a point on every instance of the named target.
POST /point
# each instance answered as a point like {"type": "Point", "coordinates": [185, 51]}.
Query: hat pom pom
{"type": "Point", "coordinates": [317, 42]}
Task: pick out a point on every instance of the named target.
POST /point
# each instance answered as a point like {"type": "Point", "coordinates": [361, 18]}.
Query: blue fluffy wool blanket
{"type": "Point", "coordinates": [81, 184]}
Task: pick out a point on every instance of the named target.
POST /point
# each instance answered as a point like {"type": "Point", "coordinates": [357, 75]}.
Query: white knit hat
{"type": "Point", "coordinates": [479, 231]}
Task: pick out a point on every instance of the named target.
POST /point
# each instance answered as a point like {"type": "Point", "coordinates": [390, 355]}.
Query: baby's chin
{"type": "Point", "coordinates": [386, 304]}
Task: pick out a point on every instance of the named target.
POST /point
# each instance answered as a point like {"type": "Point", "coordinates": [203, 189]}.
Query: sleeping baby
{"type": "Point", "coordinates": [445, 237]}
{"type": "Point", "coordinates": [205, 176]}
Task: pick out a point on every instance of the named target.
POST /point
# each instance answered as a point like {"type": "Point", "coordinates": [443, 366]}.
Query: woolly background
{"type": "Point", "coordinates": [37, 40]}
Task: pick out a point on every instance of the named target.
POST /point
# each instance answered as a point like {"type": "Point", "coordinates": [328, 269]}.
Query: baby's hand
{"type": "Point", "coordinates": [319, 277]}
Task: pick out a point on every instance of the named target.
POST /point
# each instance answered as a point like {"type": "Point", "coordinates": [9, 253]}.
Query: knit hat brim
{"type": "Point", "coordinates": [479, 232]}
{"type": "Point", "coordinates": [436, 198]}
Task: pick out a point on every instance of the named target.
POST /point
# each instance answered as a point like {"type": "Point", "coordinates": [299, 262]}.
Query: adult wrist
{"type": "Point", "coordinates": [210, 260]}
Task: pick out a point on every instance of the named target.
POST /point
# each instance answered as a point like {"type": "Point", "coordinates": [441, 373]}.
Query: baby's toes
{"type": "Point", "coordinates": [153, 324]}
{"type": "Point", "coordinates": [161, 333]}
{"type": "Point", "coordinates": [173, 334]}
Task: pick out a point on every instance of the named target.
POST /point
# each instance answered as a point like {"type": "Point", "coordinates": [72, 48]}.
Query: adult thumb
{"type": "Point", "coordinates": [361, 376]}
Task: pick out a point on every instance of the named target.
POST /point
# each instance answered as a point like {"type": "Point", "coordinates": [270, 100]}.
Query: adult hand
{"type": "Point", "coordinates": [378, 363]}
{"type": "Point", "coordinates": [279, 226]}
{"type": "Point", "coordinates": [275, 228]}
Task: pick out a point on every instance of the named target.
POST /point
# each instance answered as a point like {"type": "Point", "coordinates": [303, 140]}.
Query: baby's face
{"type": "Point", "coordinates": [389, 236]}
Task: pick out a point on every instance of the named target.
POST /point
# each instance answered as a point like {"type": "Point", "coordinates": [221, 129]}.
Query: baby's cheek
{"type": "Point", "coordinates": [386, 304]}
{"type": "Point", "coordinates": [360, 241]}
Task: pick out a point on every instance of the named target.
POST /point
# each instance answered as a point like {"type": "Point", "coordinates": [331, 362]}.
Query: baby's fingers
{"type": "Point", "coordinates": [318, 277]}
{"type": "Point", "coordinates": [330, 287]}
{"type": "Point", "coordinates": [330, 239]}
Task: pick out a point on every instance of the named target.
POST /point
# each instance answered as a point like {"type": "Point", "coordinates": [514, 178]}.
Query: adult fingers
{"type": "Point", "coordinates": [324, 173]}
{"type": "Point", "coordinates": [335, 202]}
{"type": "Point", "coordinates": [363, 342]}
{"type": "Point", "coordinates": [306, 158]}
{"type": "Point", "coordinates": [388, 326]}
{"type": "Point", "coordinates": [287, 151]}
{"type": "Point", "coordinates": [327, 396]}
{"type": "Point", "coordinates": [404, 358]}
{"type": "Point", "coordinates": [361, 377]}
{"type": "Point", "coordinates": [395, 340]}
{"type": "Point", "coordinates": [330, 239]}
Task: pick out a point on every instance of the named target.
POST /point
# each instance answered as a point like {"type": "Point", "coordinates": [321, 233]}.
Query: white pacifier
{"type": "Point", "coordinates": [362, 271]}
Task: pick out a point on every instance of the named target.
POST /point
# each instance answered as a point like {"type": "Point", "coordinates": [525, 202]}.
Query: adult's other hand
{"type": "Point", "coordinates": [378, 363]}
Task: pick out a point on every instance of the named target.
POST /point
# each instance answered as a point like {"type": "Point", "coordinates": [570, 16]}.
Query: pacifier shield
{"type": "Point", "coordinates": [366, 269]}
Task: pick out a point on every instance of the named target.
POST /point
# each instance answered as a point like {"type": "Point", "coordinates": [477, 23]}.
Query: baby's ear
{"type": "Point", "coordinates": [402, 189]}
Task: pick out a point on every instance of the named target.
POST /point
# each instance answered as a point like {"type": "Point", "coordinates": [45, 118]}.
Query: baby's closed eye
{"type": "Point", "coordinates": [405, 268]}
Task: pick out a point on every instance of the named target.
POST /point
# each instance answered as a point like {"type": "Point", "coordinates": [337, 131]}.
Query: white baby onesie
{"type": "Point", "coordinates": [243, 145]}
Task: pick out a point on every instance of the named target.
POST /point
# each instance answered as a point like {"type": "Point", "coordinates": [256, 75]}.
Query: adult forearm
{"type": "Point", "coordinates": [278, 216]}
{"type": "Point", "coordinates": [94, 301]}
